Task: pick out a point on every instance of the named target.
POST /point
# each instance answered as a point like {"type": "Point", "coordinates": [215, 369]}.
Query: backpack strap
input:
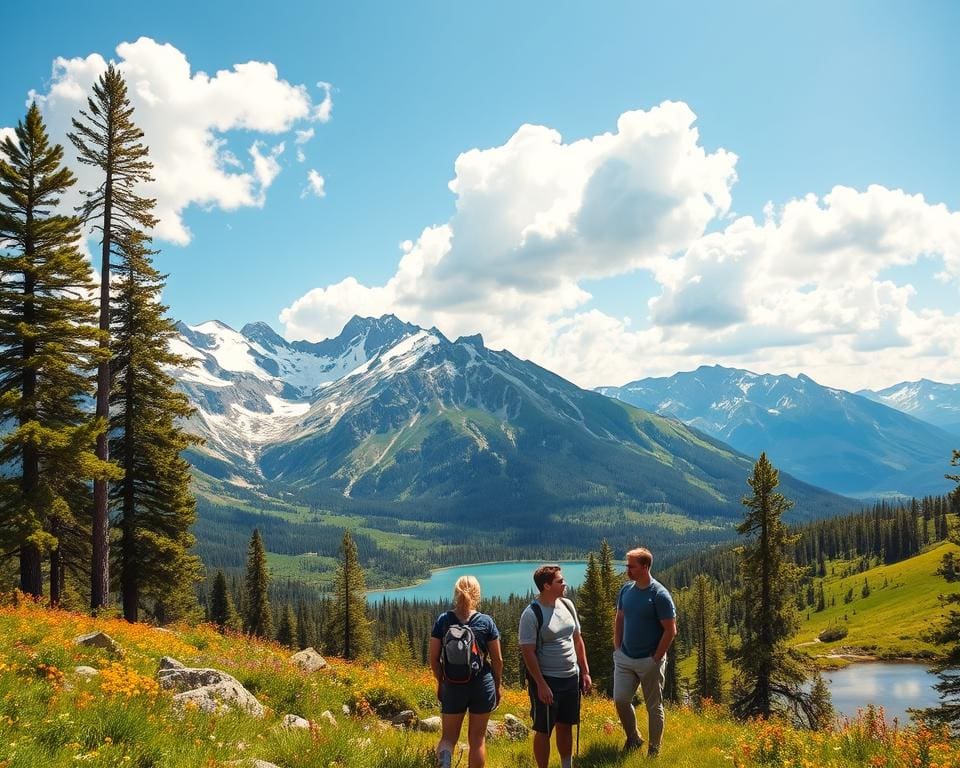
{"type": "Point", "coordinates": [538, 612]}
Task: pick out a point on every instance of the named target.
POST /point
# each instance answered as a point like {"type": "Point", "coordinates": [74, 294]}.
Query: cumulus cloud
{"type": "Point", "coordinates": [536, 218]}
{"type": "Point", "coordinates": [316, 185]}
{"type": "Point", "coordinates": [189, 120]}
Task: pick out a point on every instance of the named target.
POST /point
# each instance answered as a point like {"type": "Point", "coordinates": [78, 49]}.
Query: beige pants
{"type": "Point", "coordinates": [628, 675]}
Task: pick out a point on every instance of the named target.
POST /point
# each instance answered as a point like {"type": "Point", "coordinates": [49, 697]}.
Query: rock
{"type": "Point", "coordinates": [495, 729]}
{"type": "Point", "coordinates": [345, 709]}
{"type": "Point", "coordinates": [251, 762]}
{"type": "Point", "coordinates": [327, 717]}
{"type": "Point", "coordinates": [430, 724]}
{"type": "Point", "coordinates": [219, 697]}
{"type": "Point", "coordinates": [406, 718]}
{"type": "Point", "coordinates": [99, 640]}
{"type": "Point", "coordinates": [187, 678]}
{"type": "Point", "coordinates": [516, 729]}
{"type": "Point", "coordinates": [293, 722]}
{"type": "Point", "coordinates": [86, 672]}
{"type": "Point", "coordinates": [309, 660]}
{"type": "Point", "coordinates": [168, 662]}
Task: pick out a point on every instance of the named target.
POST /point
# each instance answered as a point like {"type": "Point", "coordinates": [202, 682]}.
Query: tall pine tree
{"type": "Point", "coordinates": [348, 629]}
{"type": "Point", "coordinates": [257, 618]}
{"type": "Point", "coordinates": [596, 608]}
{"type": "Point", "coordinates": [47, 349]}
{"type": "Point", "coordinates": [153, 504]}
{"type": "Point", "coordinates": [107, 139]}
{"type": "Point", "coordinates": [222, 613]}
{"type": "Point", "coordinates": [708, 682]}
{"type": "Point", "coordinates": [770, 672]}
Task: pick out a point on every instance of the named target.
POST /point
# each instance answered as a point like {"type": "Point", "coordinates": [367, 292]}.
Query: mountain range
{"type": "Point", "coordinates": [400, 421]}
{"type": "Point", "coordinates": [853, 444]}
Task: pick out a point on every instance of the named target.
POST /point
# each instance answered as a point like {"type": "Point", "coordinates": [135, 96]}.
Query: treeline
{"type": "Point", "coordinates": [89, 493]}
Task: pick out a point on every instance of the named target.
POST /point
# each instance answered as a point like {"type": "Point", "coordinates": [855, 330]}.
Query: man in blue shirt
{"type": "Point", "coordinates": [646, 625]}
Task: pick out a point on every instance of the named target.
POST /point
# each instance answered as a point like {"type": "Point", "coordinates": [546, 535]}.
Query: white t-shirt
{"type": "Point", "coordinates": [556, 654]}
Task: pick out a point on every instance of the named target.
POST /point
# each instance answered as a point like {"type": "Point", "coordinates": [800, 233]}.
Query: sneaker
{"type": "Point", "coordinates": [653, 753]}
{"type": "Point", "coordinates": [632, 745]}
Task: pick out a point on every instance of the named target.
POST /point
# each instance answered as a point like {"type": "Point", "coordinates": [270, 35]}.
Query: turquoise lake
{"type": "Point", "coordinates": [896, 687]}
{"type": "Point", "coordinates": [496, 580]}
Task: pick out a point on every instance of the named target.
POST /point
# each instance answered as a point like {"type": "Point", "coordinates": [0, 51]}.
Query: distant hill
{"type": "Point", "coordinates": [931, 401]}
{"type": "Point", "coordinates": [824, 436]}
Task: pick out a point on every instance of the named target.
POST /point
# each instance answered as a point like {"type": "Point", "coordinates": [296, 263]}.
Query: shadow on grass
{"type": "Point", "coordinates": [599, 756]}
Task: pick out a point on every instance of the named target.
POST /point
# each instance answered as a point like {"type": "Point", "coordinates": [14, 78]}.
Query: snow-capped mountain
{"type": "Point", "coordinates": [389, 413]}
{"type": "Point", "coordinates": [931, 401]}
{"type": "Point", "coordinates": [828, 437]}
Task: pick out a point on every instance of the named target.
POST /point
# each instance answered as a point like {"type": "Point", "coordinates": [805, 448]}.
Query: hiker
{"type": "Point", "coordinates": [466, 661]}
{"type": "Point", "coordinates": [645, 626]}
{"type": "Point", "coordinates": [556, 661]}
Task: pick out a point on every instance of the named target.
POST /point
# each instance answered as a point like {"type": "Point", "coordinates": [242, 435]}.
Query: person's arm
{"type": "Point", "coordinates": [666, 639]}
{"type": "Point", "coordinates": [434, 653]}
{"type": "Point", "coordinates": [496, 665]}
{"type": "Point", "coordinates": [618, 631]}
{"type": "Point", "coordinates": [586, 681]}
{"type": "Point", "coordinates": [533, 667]}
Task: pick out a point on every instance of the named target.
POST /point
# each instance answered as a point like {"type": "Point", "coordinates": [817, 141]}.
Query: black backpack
{"type": "Point", "coordinates": [460, 656]}
{"type": "Point", "coordinates": [538, 612]}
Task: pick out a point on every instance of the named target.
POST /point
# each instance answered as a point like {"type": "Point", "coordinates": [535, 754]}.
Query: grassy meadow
{"type": "Point", "coordinates": [51, 716]}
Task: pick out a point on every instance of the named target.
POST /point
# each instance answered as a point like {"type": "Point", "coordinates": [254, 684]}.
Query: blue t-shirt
{"type": "Point", "coordinates": [483, 626]}
{"type": "Point", "coordinates": [643, 610]}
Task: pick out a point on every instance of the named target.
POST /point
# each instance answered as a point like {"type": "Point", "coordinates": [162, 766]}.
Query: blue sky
{"type": "Point", "coordinates": [605, 259]}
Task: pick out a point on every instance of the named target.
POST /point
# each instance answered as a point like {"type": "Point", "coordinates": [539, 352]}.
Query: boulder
{"type": "Point", "coordinates": [516, 729]}
{"type": "Point", "coordinates": [168, 662]}
{"type": "Point", "coordinates": [430, 724]}
{"type": "Point", "coordinates": [294, 722]}
{"type": "Point", "coordinates": [99, 640]}
{"type": "Point", "coordinates": [86, 672]}
{"type": "Point", "coordinates": [309, 660]}
{"type": "Point", "coordinates": [183, 679]}
{"type": "Point", "coordinates": [220, 697]}
{"type": "Point", "coordinates": [495, 729]}
{"type": "Point", "coordinates": [405, 719]}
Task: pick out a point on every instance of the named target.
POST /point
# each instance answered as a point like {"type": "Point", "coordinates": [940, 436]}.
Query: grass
{"type": "Point", "coordinates": [51, 717]}
{"type": "Point", "coordinates": [891, 621]}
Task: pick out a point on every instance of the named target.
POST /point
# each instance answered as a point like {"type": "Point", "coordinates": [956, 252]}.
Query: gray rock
{"type": "Point", "coordinates": [406, 718]}
{"type": "Point", "coordinates": [516, 729]}
{"type": "Point", "coordinates": [309, 660]}
{"type": "Point", "coordinates": [168, 662]}
{"type": "Point", "coordinates": [495, 729]}
{"type": "Point", "coordinates": [86, 672]}
{"type": "Point", "coordinates": [345, 709]}
{"type": "Point", "coordinates": [220, 697]}
{"type": "Point", "coordinates": [294, 722]}
{"type": "Point", "coordinates": [99, 640]}
{"type": "Point", "coordinates": [430, 724]}
{"type": "Point", "coordinates": [187, 678]}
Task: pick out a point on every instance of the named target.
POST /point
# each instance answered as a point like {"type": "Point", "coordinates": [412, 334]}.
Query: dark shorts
{"type": "Point", "coordinates": [479, 696]}
{"type": "Point", "coordinates": [565, 707]}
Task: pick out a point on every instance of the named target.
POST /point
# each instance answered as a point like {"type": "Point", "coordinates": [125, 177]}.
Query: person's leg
{"type": "Point", "coordinates": [625, 683]}
{"type": "Point", "coordinates": [564, 743]}
{"type": "Point", "coordinates": [541, 748]}
{"type": "Point", "coordinates": [652, 684]}
{"type": "Point", "coordinates": [450, 733]}
{"type": "Point", "coordinates": [477, 737]}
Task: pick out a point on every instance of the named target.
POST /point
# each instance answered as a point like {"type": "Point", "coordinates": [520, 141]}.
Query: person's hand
{"type": "Point", "coordinates": [499, 695]}
{"type": "Point", "coordinates": [439, 687]}
{"type": "Point", "coordinates": [544, 693]}
{"type": "Point", "coordinates": [586, 683]}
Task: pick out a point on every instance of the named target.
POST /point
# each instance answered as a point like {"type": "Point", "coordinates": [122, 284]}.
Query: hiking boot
{"type": "Point", "coordinates": [653, 753]}
{"type": "Point", "coordinates": [632, 745]}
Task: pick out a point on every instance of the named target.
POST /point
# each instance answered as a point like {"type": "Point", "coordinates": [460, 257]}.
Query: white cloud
{"type": "Point", "coordinates": [800, 291]}
{"type": "Point", "coordinates": [188, 118]}
{"type": "Point", "coordinates": [316, 184]}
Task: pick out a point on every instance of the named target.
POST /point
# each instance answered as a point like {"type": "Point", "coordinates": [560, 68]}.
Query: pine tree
{"type": "Point", "coordinates": [287, 631]}
{"type": "Point", "coordinates": [155, 508]}
{"type": "Point", "coordinates": [596, 622]}
{"type": "Point", "coordinates": [821, 704]}
{"type": "Point", "coordinates": [708, 682]}
{"type": "Point", "coordinates": [948, 711]}
{"type": "Point", "coordinates": [257, 618]}
{"type": "Point", "coordinates": [348, 629]}
{"type": "Point", "coordinates": [106, 138]}
{"type": "Point", "coordinates": [770, 672]}
{"type": "Point", "coordinates": [47, 349]}
{"type": "Point", "coordinates": [222, 612]}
